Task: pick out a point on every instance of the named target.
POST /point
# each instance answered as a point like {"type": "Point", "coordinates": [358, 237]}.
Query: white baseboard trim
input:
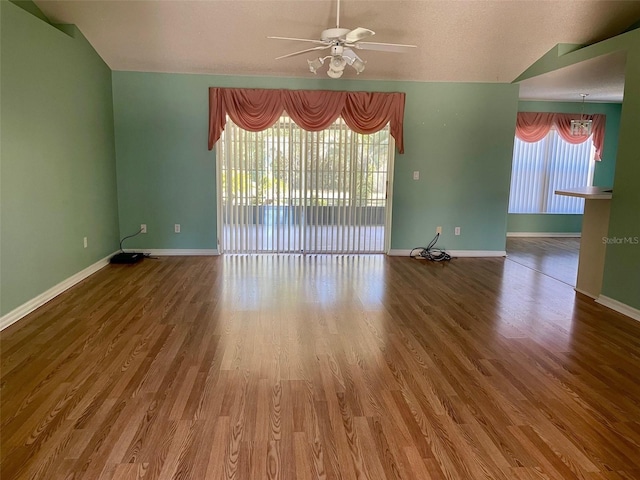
{"type": "Point", "coordinates": [26, 308]}
{"type": "Point", "coordinates": [545, 234]}
{"type": "Point", "coordinates": [585, 293]}
{"type": "Point", "coordinates": [398, 253]}
{"type": "Point", "coordinates": [477, 253]}
{"type": "Point", "coordinates": [177, 252]}
{"type": "Point", "coordinates": [455, 253]}
{"type": "Point", "coordinates": [619, 307]}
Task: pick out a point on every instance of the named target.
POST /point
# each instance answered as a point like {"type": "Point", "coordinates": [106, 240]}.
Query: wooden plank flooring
{"type": "Point", "coordinates": [320, 367]}
{"type": "Point", "coordinates": [555, 257]}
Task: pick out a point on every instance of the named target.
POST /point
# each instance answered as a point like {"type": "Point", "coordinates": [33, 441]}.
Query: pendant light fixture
{"type": "Point", "coordinates": [582, 127]}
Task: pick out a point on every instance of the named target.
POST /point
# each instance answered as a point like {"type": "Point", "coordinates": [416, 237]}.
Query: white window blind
{"type": "Point", "coordinates": [541, 168]}
{"type": "Point", "coordinates": [288, 190]}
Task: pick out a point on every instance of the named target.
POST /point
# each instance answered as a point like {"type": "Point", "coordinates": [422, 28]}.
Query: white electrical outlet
{"type": "Point", "coordinates": [176, 228]}
{"type": "Point", "coordinates": [439, 230]}
{"type": "Point", "coordinates": [143, 228]}
{"type": "Point", "coordinates": [416, 175]}
{"type": "Point", "coordinates": [86, 243]}
{"type": "Point", "coordinates": [457, 231]}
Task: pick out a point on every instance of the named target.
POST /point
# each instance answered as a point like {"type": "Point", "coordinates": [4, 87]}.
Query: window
{"type": "Point", "coordinates": [287, 190]}
{"type": "Point", "coordinates": [541, 168]}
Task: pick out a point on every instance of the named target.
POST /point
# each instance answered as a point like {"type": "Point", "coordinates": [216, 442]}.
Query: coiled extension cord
{"type": "Point", "coordinates": [431, 253]}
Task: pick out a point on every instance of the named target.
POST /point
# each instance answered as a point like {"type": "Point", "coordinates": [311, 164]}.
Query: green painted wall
{"type": "Point", "coordinates": [544, 223]}
{"type": "Point", "coordinates": [622, 265]}
{"type": "Point", "coordinates": [58, 180]}
{"type": "Point", "coordinates": [459, 136]}
{"type": "Point", "coordinates": [603, 175]}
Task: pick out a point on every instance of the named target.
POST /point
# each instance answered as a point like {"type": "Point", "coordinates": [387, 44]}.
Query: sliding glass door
{"type": "Point", "coordinates": [286, 190]}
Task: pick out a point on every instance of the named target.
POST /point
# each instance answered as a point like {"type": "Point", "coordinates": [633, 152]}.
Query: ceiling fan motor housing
{"type": "Point", "coordinates": [334, 34]}
{"type": "Point", "coordinates": [337, 50]}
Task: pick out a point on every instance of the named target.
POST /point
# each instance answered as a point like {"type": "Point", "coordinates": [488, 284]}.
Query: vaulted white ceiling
{"type": "Point", "coordinates": [459, 41]}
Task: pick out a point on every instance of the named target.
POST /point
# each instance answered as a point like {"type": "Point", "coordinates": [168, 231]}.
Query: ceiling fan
{"type": "Point", "coordinates": [342, 42]}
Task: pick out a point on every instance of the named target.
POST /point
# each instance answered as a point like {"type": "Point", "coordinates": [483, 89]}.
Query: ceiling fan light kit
{"type": "Point", "coordinates": [335, 73]}
{"type": "Point", "coordinates": [341, 42]}
{"type": "Point", "coordinates": [314, 65]}
{"type": "Point", "coordinates": [358, 65]}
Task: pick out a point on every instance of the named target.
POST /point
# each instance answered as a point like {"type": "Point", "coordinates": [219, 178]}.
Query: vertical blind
{"type": "Point", "coordinates": [285, 189]}
{"type": "Point", "coordinates": [541, 168]}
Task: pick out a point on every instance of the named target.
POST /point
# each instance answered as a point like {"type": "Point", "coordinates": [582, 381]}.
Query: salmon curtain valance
{"type": "Point", "coordinates": [534, 126]}
{"type": "Point", "coordinates": [257, 109]}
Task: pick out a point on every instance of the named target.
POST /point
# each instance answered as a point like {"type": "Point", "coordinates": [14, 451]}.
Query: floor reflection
{"type": "Point", "coordinates": [534, 306]}
{"type": "Point", "coordinates": [554, 257]}
{"type": "Point", "coordinates": [255, 282]}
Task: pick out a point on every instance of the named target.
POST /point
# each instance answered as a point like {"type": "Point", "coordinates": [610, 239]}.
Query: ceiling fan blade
{"type": "Point", "coordinates": [358, 34]}
{"type": "Point", "coordinates": [318, 42]}
{"type": "Point", "coordinates": [384, 47]}
{"type": "Point", "coordinates": [303, 51]}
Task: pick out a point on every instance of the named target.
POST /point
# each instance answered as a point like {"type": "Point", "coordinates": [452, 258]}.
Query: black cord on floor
{"type": "Point", "coordinates": [430, 252]}
{"type": "Point", "coordinates": [130, 236]}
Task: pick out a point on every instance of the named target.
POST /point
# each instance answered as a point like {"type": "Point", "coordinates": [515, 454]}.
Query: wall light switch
{"type": "Point", "coordinates": [86, 243]}
{"type": "Point", "coordinates": [416, 175]}
{"type": "Point", "coordinates": [457, 231]}
{"type": "Point", "coordinates": [176, 228]}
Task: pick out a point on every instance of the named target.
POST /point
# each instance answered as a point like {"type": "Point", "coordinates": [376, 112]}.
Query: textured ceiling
{"type": "Point", "coordinates": [459, 41]}
{"type": "Point", "coordinates": [602, 78]}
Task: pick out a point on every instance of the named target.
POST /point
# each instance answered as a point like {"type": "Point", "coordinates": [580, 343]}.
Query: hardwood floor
{"type": "Point", "coordinates": [352, 367]}
{"type": "Point", "coordinates": [555, 257]}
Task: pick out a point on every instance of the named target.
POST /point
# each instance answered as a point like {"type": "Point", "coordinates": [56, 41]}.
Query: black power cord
{"type": "Point", "coordinates": [129, 236]}
{"type": "Point", "coordinates": [145, 255]}
{"type": "Point", "coordinates": [430, 252]}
